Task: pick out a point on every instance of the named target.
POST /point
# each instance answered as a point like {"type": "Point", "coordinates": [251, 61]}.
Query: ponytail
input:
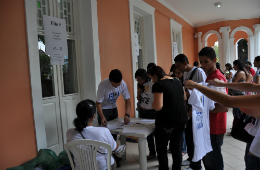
{"type": "Point", "coordinates": [79, 124]}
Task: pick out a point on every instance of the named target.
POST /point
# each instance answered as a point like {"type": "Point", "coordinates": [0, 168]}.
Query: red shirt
{"type": "Point", "coordinates": [252, 71]}
{"type": "Point", "coordinates": [218, 121]}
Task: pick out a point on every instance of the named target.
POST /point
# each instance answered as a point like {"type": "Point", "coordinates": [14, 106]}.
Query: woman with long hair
{"type": "Point", "coordinates": [86, 112]}
{"type": "Point", "coordinates": [145, 100]}
{"type": "Point", "coordinates": [256, 78]}
{"type": "Point", "coordinates": [229, 72]}
{"type": "Point", "coordinates": [240, 76]}
{"type": "Point", "coordinates": [171, 116]}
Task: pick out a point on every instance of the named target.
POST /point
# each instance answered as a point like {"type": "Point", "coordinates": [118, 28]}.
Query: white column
{"type": "Point", "coordinates": [257, 39]}
{"type": "Point", "coordinates": [251, 49]}
{"type": "Point", "coordinates": [225, 40]}
{"type": "Point", "coordinates": [220, 53]}
{"type": "Point", "coordinates": [198, 36]}
{"type": "Point", "coordinates": [232, 50]}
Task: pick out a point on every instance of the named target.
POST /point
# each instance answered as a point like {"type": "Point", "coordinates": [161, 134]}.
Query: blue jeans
{"type": "Point", "coordinates": [184, 147]}
{"type": "Point", "coordinates": [252, 162]}
{"type": "Point", "coordinates": [214, 160]}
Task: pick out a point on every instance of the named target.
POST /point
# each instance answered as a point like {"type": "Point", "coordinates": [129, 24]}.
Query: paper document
{"type": "Point", "coordinates": [146, 121]}
{"type": "Point", "coordinates": [114, 126]}
{"type": "Point", "coordinates": [129, 129]}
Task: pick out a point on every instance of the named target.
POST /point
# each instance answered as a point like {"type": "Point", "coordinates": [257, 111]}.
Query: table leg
{"type": "Point", "coordinates": [142, 153]}
{"type": "Point", "coordinates": [122, 142]}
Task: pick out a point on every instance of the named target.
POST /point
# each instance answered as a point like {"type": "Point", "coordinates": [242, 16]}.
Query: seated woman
{"type": "Point", "coordinates": [85, 111]}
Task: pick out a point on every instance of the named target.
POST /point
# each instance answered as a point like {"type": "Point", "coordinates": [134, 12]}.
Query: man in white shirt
{"type": "Point", "coordinates": [197, 75]}
{"type": "Point", "coordinates": [108, 91]}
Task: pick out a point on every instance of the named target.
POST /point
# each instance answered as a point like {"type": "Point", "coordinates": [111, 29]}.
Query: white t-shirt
{"type": "Point", "coordinates": [255, 146]}
{"type": "Point", "coordinates": [107, 94]}
{"type": "Point", "coordinates": [198, 77]}
{"type": "Point", "coordinates": [95, 133]}
{"type": "Point", "coordinates": [147, 96]}
{"type": "Point", "coordinates": [200, 123]}
{"type": "Point", "coordinates": [257, 73]}
{"type": "Point", "coordinates": [233, 73]}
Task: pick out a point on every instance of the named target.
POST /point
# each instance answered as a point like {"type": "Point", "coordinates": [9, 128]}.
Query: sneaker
{"type": "Point", "coordinates": [188, 169]}
{"type": "Point", "coordinates": [120, 151]}
{"type": "Point", "coordinates": [185, 163]}
{"type": "Point", "coordinates": [229, 134]}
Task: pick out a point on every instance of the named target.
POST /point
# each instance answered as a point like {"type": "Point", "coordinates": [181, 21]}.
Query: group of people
{"type": "Point", "coordinates": [189, 116]}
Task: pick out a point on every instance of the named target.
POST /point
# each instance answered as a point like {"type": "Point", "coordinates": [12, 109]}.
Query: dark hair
{"type": "Point", "coordinates": [196, 63]}
{"type": "Point", "coordinates": [229, 66]}
{"type": "Point", "coordinates": [257, 58]}
{"type": "Point", "coordinates": [248, 62]}
{"type": "Point", "coordinates": [240, 65]}
{"type": "Point", "coordinates": [143, 74]}
{"type": "Point", "coordinates": [208, 52]}
{"type": "Point", "coordinates": [150, 65]}
{"type": "Point", "coordinates": [115, 76]}
{"type": "Point", "coordinates": [247, 67]}
{"type": "Point", "coordinates": [84, 110]}
{"type": "Point", "coordinates": [181, 58]}
{"type": "Point", "coordinates": [172, 68]}
{"type": "Point", "coordinates": [218, 67]}
{"type": "Point", "coordinates": [157, 70]}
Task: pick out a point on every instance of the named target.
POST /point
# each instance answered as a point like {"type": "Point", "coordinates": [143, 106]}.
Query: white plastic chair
{"type": "Point", "coordinates": [86, 151]}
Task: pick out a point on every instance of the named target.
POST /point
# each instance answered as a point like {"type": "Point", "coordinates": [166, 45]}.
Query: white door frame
{"type": "Point", "coordinates": [88, 58]}
{"type": "Point", "coordinates": [147, 12]}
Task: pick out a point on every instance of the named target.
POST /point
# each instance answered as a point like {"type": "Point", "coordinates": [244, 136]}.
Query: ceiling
{"type": "Point", "coordinates": [203, 12]}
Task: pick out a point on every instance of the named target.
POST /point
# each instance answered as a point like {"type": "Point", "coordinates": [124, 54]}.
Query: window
{"type": "Point", "coordinates": [138, 28]}
{"type": "Point", "coordinates": [64, 10]}
{"type": "Point", "coordinates": [176, 36]}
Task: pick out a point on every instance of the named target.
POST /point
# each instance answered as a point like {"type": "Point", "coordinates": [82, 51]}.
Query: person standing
{"type": "Point", "coordinates": [252, 71]}
{"type": "Point", "coordinates": [145, 99]}
{"type": "Point", "coordinates": [197, 75]}
{"type": "Point", "coordinates": [256, 78]}
{"type": "Point", "coordinates": [171, 116]}
{"type": "Point", "coordinates": [218, 116]}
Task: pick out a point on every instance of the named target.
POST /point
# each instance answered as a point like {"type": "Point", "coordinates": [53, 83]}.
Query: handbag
{"type": "Point", "coordinates": [238, 130]}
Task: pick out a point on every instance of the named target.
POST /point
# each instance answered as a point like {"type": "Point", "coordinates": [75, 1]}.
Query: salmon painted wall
{"type": "Point", "coordinates": [17, 143]}
{"type": "Point", "coordinates": [163, 41]}
{"type": "Point", "coordinates": [115, 44]}
{"type": "Point", "coordinates": [240, 34]}
{"type": "Point", "coordinates": [188, 31]}
{"type": "Point", "coordinates": [212, 39]}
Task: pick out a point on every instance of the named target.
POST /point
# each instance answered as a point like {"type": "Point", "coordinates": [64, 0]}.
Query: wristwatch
{"type": "Point", "coordinates": [127, 115]}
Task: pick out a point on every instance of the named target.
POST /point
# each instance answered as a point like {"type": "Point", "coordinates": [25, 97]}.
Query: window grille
{"type": "Point", "coordinates": [66, 12]}
{"type": "Point", "coordinates": [42, 9]}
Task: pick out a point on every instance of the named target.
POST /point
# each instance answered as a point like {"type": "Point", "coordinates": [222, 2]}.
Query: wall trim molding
{"type": "Point", "coordinates": [208, 33]}
{"type": "Point", "coordinates": [242, 28]}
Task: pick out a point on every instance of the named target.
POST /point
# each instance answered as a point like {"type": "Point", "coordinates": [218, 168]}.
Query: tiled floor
{"type": "Point", "coordinates": [232, 151]}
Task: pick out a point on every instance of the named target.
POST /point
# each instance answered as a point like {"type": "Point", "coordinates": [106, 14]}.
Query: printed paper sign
{"type": "Point", "coordinates": [175, 49]}
{"type": "Point", "coordinates": [136, 46]}
{"type": "Point", "coordinates": [55, 39]}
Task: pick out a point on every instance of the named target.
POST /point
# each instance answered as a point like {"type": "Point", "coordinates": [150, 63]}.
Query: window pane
{"type": "Point", "coordinates": [70, 70]}
{"type": "Point", "coordinates": [46, 69]}
{"type": "Point", "coordinates": [68, 7]}
{"type": "Point", "coordinates": [43, 2]}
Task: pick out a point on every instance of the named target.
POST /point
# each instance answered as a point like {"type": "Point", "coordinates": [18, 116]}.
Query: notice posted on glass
{"type": "Point", "coordinates": [55, 39]}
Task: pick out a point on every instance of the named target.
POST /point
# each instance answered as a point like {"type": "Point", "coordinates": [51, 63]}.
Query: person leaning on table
{"type": "Point", "coordinates": [171, 116]}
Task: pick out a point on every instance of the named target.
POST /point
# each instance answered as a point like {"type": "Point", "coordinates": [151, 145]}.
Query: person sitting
{"type": "Point", "coordinates": [86, 112]}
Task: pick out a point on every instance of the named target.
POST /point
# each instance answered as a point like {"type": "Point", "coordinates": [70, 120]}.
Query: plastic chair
{"type": "Point", "coordinates": [86, 150]}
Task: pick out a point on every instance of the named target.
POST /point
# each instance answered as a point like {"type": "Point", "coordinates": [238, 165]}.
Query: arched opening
{"type": "Point", "coordinates": [213, 42]}
{"type": "Point", "coordinates": [240, 36]}
{"type": "Point", "coordinates": [242, 50]}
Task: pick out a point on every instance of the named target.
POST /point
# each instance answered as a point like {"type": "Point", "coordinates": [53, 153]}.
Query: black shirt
{"type": "Point", "coordinates": [173, 113]}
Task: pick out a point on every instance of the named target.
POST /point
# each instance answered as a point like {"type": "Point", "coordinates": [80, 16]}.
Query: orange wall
{"type": "Point", "coordinates": [163, 41]}
{"type": "Point", "coordinates": [188, 31]}
{"type": "Point", "coordinates": [240, 34]}
{"type": "Point", "coordinates": [212, 39]}
{"type": "Point", "coordinates": [17, 143]}
{"type": "Point", "coordinates": [115, 44]}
